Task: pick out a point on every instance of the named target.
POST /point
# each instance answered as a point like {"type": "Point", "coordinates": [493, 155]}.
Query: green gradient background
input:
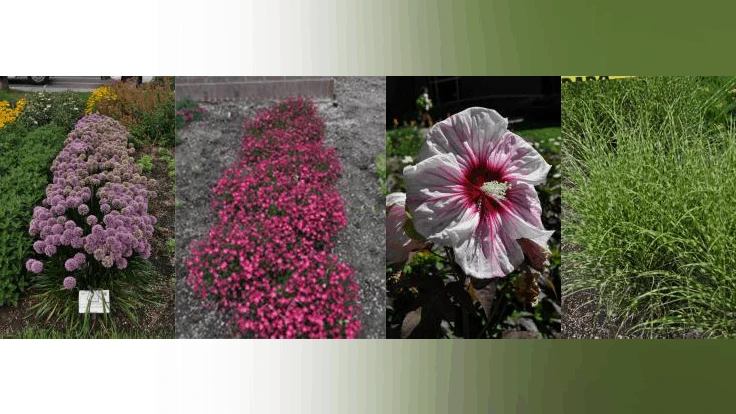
{"type": "Point", "coordinates": [546, 376]}
{"type": "Point", "coordinates": [552, 38]}
{"type": "Point", "coordinates": [504, 37]}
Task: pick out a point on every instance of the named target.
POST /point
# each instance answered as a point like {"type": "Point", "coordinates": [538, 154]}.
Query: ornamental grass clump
{"type": "Point", "coordinates": [94, 219]}
{"type": "Point", "coordinates": [650, 215]}
{"type": "Point", "coordinates": [267, 260]}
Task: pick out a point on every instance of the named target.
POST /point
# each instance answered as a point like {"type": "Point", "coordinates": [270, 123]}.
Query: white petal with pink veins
{"type": "Point", "coordinates": [398, 244]}
{"type": "Point", "coordinates": [494, 251]}
{"type": "Point", "coordinates": [490, 253]}
{"type": "Point", "coordinates": [469, 134]}
{"type": "Point", "coordinates": [395, 198]}
{"type": "Point", "coordinates": [522, 200]}
{"type": "Point", "coordinates": [436, 201]}
{"type": "Point", "coordinates": [522, 162]}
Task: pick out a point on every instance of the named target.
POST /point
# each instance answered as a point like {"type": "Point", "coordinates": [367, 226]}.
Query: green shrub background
{"type": "Point", "coordinates": [24, 174]}
{"type": "Point", "coordinates": [148, 111]}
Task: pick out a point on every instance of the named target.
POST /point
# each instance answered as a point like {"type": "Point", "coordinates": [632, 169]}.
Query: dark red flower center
{"type": "Point", "coordinates": [485, 188]}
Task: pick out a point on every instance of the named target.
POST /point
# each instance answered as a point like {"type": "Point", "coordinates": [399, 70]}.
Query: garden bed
{"type": "Point", "coordinates": [155, 318]}
{"type": "Point", "coordinates": [154, 321]}
{"type": "Point", "coordinates": [354, 126]}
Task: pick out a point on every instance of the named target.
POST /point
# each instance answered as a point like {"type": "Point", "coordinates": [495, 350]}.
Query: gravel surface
{"type": "Point", "coordinates": [582, 318]}
{"type": "Point", "coordinates": [206, 148]}
{"type": "Point", "coordinates": [355, 127]}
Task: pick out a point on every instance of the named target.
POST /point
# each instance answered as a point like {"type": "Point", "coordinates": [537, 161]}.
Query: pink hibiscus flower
{"type": "Point", "coordinates": [473, 190]}
{"type": "Point", "coordinates": [399, 245]}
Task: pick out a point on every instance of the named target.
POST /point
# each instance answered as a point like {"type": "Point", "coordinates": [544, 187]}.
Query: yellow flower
{"type": "Point", "coordinates": [99, 94]}
{"type": "Point", "coordinates": [9, 114]}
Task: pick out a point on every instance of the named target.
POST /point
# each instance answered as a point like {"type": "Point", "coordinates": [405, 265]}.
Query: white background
{"type": "Point", "coordinates": [186, 37]}
{"type": "Point", "coordinates": [186, 376]}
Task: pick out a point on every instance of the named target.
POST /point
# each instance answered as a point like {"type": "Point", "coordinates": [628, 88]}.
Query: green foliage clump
{"type": "Point", "coordinates": [403, 141]}
{"type": "Point", "coordinates": [650, 214]}
{"type": "Point", "coordinates": [166, 156]}
{"type": "Point", "coordinates": [171, 245]}
{"type": "Point", "coordinates": [156, 126]}
{"type": "Point", "coordinates": [146, 163]}
{"type": "Point", "coordinates": [24, 174]}
{"type": "Point", "coordinates": [187, 111]}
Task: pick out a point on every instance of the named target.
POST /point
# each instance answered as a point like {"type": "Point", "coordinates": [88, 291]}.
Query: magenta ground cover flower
{"type": "Point", "coordinates": [267, 261]}
{"type": "Point", "coordinates": [473, 190]}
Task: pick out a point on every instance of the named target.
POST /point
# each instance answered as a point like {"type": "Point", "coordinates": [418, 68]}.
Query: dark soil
{"type": "Point", "coordinates": [582, 318]}
{"type": "Point", "coordinates": [12, 319]}
{"type": "Point", "coordinates": [355, 127]}
{"type": "Point", "coordinates": [154, 320]}
{"type": "Point", "coordinates": [161, 318]}
{"type": "Point", "coordinates": [582, 315]}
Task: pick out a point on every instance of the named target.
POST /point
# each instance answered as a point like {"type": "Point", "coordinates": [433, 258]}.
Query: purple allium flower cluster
{"type": "Point", "coordinates": [34, 266]}
{"type": "Point", "coordinates": [70, 282]}
{"type": "Point", "coordinates": [97, 204]}
{"type": "Point", "coordinates": [75, 262]}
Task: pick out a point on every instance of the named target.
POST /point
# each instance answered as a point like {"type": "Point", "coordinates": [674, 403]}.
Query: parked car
{"type": "Point", "coordinates": [36, 80]}
{"type": "Point", "coordinates": [138, 79]}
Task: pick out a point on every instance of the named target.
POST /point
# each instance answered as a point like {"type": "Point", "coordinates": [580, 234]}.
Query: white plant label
{"type": "Point", "coordinates": [97, 300]}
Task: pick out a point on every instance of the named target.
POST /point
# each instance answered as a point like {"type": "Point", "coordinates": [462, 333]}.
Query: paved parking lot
{"type": "Point", "coordinates": [62, 83]}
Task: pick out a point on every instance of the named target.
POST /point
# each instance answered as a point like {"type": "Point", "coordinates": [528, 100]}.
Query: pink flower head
{"type": "Point", "coordinates": [399, 245]}
{"type": "Point", "coordinates": [34, 266]}
{"type": "Point", "coordinates": [473, 190]}
{"type": "Point", "coordinates": [70, 282]}
{"type": "Point", "coordinates": [71, 265]}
